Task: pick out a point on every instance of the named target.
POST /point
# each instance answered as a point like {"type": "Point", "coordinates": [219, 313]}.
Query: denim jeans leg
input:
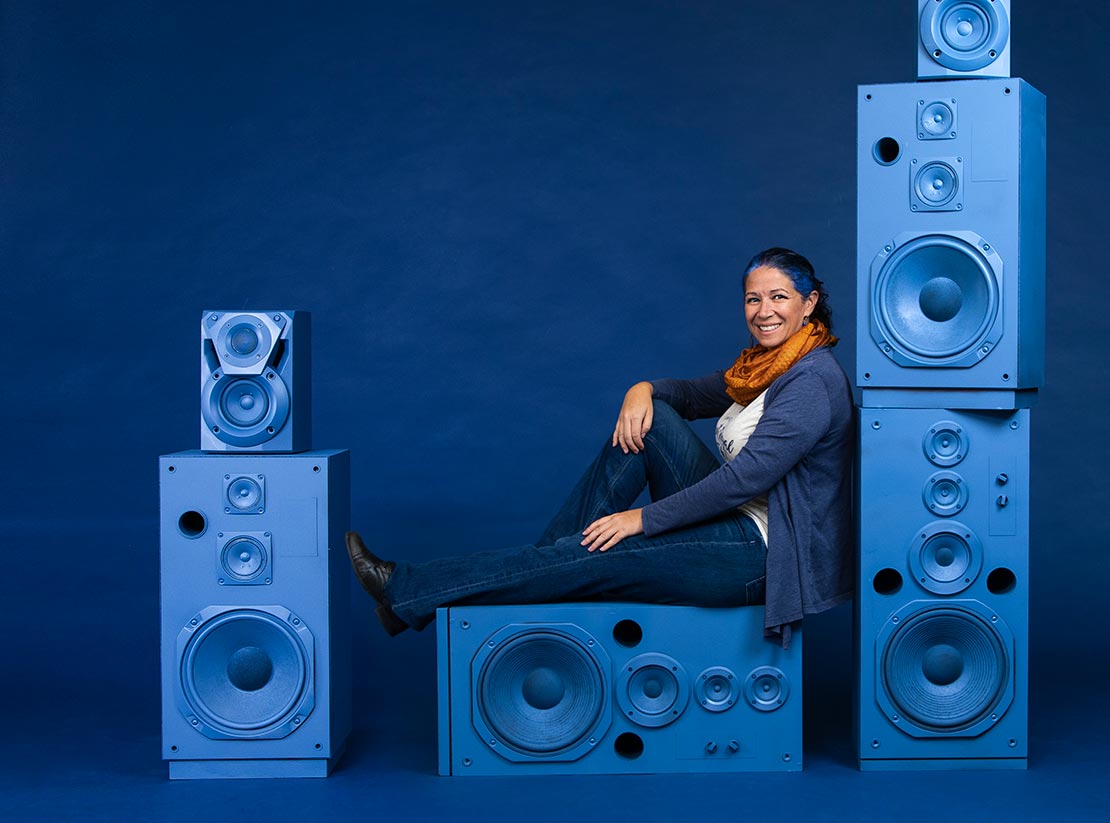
{"type": "Point", "coordinates": [673, 458]}
{"type": "Point", "coordinates": [718, 562]}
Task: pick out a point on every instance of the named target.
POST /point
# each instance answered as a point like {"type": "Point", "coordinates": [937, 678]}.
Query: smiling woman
{"type": "Point", "coordinates": [769, 525]}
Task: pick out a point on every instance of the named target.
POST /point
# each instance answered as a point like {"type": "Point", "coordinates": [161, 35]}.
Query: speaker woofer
{"type": "Point", "coordinates": [653, 689]}
{"type": "Point", "coordinates": [935, 300]}
{"type": "Point", "coordinates": [244, 410]}
{"type": "Point", "coordinates": [540, 693]}
{"type": "Point", "coordinates": [964, 35]}
{"type": "Point", "coordinates": [245, 673]}
{"type": "Point", "coordinates": [244, 559]}
{"type": "Point", "coordinates": [945, 670]}
{"type": "Point", "coordinates": [945, 557]}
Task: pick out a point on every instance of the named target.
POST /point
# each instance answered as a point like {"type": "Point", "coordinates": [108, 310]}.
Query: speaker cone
{"type": "Point", "coordinates": [244, 340]}
{"type": "Point", "coordinates": [652, 689]}
{"type": "Point", "coordinates": [945, 443]}
{"type": "Point", "coordinates": [246, 673]}
{"type": "Point", "coordinates": [945, 557]}
{"type": "Point", "coordinates": [541, 693]}
{"type": "Point", "coordinates": [945, 493]}
{"type": "Point", "coordinates": [935, 301]}
{"type": "Point", "coordinates": [244, 559]}
{"type": "Point", "coordinates": [243, 494]}
{"type": "Point", "coordinates": [766, 688]}
{"type": "Point", "coordinates": [935, 186]}
{"type": "Point", "coordinates": [244, 410]}
{"type": "Point", "coordinates": [964, 35]}
{"type": "Point", "coordinates": [946, 670]}
{"type": "Point", "coordinates": [717, 689]}
{"type": "Point", "coordinates": [936, 120]}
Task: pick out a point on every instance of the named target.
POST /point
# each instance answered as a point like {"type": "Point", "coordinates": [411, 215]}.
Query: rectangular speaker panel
{"type": "Point", "coordinates": [256, 382]}
{"type": "Point", "coordinates": [942, 628]}
{"type": "Point", "coordinates": [951, 236]}
{"type": "Point", "coordinates": [256, 678]}
{"type": "Point", "coordinates": [615, 688]}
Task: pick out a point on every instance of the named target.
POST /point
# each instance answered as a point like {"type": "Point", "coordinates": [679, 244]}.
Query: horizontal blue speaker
{"type": "Point", "coordinates": [255, 656]}
{"type": "Point", "coordinates": [615, 688]}
{"type": "Point", "coordinates": [963, 38]}
{"type": "Point", "coordinates": [951, 238]}
{"type": "Point", "coordinates": [256, 388]}
{"type": "Point", "coordinates": [943, 589]}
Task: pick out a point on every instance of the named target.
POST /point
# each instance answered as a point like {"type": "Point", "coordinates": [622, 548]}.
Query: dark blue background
{"type": "Point", "coordinates": [500, 215]}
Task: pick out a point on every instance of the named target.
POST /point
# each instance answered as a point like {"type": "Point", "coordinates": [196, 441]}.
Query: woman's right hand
{"type": "Point", "coordinates": [634, 420]}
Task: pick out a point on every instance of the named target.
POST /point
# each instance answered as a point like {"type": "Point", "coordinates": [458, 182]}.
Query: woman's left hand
{"type": "Point", "coordinates": [608, 531]}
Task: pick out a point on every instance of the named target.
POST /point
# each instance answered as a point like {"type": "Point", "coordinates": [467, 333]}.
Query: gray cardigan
{"type": "Point", "coordinates": [800, 456]}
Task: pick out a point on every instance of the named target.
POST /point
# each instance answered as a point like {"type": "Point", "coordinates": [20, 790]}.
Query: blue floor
{"type": "Point", "coordinates": [81, 739]}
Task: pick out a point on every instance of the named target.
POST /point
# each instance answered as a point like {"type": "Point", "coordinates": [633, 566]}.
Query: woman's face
{"type": "Point", "coordinates": [773, 307]}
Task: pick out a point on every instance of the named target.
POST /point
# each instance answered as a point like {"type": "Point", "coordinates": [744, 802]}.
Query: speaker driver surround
{"type": "Point", "coordinates": [946, 670]}
{"type": "Point", "coordinates": [935, 299]}
{"type": "Point", "coordinates": [766, 688]}
{"type": "Point", "coordinates": [945, 557]}
{"type": "Point", "coordinates": [245, 673]}
{"type": "Point", "coordinates": [945, 443]}
{"type": "Point", "coordinates": [964, 35]}
{"type": "Point", "coordinates": [540, 692]}
{"type": "Point", "coordinates": [244, 410]}
{"type": "Point", "coordinates": [945, 493]}
{"type": "Point", "coordinates": [936, 119]}
{"type": "Point", "coordinates": [652, 689]}
{"type": "Point", "coordinates": [936, 185]}
{"type": "Point", "coordinates": [717, 689]}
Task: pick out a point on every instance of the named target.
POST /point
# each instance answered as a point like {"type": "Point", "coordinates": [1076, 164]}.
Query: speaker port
{"type": "Point", "coordinates": [1001, 581]}
{"type": "Point", "coordinates": [887, 581]}
{"type": "Point", "coordinates": [629, 745]}
{"type": "Point", "coordinates": [628, 633]}
{"type": "Point", "coordinates": [886, 151]}
{"type": "Point", "coordinates": [192, 524]}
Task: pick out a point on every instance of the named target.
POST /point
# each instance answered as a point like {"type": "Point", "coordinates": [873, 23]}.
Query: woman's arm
{"type": "Point", "coordinates": [793, 422]}
{"type": "Point", "coordinates": [697, 398]}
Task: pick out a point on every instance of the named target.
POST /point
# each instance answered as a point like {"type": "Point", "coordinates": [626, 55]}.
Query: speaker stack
{"type": "Point", "coordinates": [255, 653]}
{"type": "Point", "coordinates": [950, 355]}
{"type": "Point", "coordinates": [615, 688]}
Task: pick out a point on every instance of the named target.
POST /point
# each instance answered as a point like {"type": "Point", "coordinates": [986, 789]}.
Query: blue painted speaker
{"type": "Point", "coordinates": [963, 38]}
{"type": "Point", "coordinates": [951, 241]}
{"type": "Point", "coordinates": [615, 688]}
{"type": "Point", "coordinates": [256, 390]}
{"type": "Point", "coordinates": [256, 675]}
{"type": "Point", "coordinates": [942, 601]}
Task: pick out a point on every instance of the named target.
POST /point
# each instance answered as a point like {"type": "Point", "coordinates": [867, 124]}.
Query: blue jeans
{"type": "Point", "coordinates": [718, 562]}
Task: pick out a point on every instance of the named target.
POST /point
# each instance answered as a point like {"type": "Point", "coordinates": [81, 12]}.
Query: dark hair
{"type": "Point", "coordinates": [800, 272]}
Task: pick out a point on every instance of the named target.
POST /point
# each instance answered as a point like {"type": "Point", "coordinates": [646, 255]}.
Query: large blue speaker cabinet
{"type": "Point", "coordinates": [615, 688]}
{"type": "Point", "coordinates": [256, 675]}
{"type": "Point", "coordinates": [255, 391]}
{"type": "Point", "coordinates": [943, 591]}
{"type": "Point", "coordinates": [963, 38]}
{"type": "Point", "coordinates": [951, 240]}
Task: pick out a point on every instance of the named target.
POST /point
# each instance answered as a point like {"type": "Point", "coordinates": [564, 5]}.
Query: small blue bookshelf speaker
{"type": "Point", "coordinates": [963, 38]}
{"type": "Point", "coordinates": [942, 626]}
{"type": "Point", "coordinates": [615, 688]}
{"type": "Point", "coordinates": [256, 388]}
{"type": "Point", "coordinates": [256, 673]}
{"type": "Point", "coordinates": [951, 240]}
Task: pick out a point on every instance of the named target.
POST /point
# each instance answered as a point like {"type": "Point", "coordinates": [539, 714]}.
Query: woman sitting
{"type": "Point", "coordinates": [771, 525]}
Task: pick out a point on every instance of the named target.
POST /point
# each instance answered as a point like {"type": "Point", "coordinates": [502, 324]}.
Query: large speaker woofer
{"type": "Point", "coordinates": [245, 673]}
{"type": "Point", "coordinates": [541, 692]}
{"type": "Point", "coordinates": [652, 689]}
{"type": "Point", "coordinates": [244, 410]}
{"type": "Point", "coordinates": [945, 670]}
{"type": "Point", "coordinates": [945, 557]}
{"type": "Point", "coordinates": [935, 299]}
{"type": "Point", "coordinates": [964, 35]}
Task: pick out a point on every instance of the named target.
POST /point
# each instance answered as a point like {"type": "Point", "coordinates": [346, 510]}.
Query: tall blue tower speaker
{"type": "Point", "coordinates": [942, 601]}
{"type": "Point", "coordinates": [951, 239]}
{"type": "Point", "coordinates": [615, 688]}
{"type": "Point", "coordinates": [963, 38]}
{"type": "Point", "coordinates": [256, 390]}
{"type": "Point", "coordinates": [256, 675]}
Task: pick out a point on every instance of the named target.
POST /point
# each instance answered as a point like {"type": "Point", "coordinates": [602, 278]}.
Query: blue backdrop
{"type": "Point", "coordinates": [500, 215]}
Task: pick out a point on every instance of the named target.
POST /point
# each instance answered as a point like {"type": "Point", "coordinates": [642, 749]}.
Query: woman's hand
{"type": "Point", "coordinates": [608, 531]}
{"type": "Point", "coordinates": [634, 420]}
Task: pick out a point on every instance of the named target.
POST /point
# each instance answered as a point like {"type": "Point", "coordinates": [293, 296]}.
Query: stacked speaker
{"type": "Point", "coordinates": [950, 317]}
{"type": "Point", "coordinates": [615, 688]}
{"type": "Point", "coordinates": [254, 579]}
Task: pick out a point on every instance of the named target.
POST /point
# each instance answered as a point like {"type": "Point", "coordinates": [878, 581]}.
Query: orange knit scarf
{"type": "Point", "coordinates": [756, 368]}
